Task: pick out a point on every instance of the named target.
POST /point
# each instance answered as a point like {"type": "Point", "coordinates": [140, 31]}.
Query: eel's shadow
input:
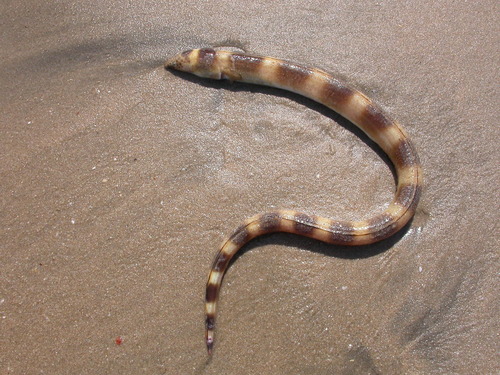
{"type": "Point", "coordinates": [292, 240]}
{"type": "Point", "coordinates": [316, 246]}
{"type": "Point", "coordinates": [320, 108]}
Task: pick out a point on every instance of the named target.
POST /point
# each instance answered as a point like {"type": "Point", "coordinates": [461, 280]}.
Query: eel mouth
{"type": "Point", "coordinates": [182, 61]}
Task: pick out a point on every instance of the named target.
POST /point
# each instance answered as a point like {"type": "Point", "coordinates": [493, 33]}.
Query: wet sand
{"type": "Point", "coordinates": [119, 180]}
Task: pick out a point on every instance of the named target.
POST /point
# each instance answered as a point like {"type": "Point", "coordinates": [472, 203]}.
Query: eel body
{"type": "Point", "coordinates": [348, 102]}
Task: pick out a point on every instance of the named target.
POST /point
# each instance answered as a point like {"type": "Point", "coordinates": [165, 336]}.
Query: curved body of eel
{"type": "Point", "coordinates": [348, 102]}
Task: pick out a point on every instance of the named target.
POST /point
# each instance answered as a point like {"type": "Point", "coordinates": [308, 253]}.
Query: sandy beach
{"type": "Point", "coordinates": [120, 179]}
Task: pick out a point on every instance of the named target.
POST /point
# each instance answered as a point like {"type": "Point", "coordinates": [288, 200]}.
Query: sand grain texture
{"type": "Point", "coordinates": [119, 180]}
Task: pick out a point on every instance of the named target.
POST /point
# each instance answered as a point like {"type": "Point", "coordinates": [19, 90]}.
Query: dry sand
{"type": "Point", "coordinates": [119, 180]}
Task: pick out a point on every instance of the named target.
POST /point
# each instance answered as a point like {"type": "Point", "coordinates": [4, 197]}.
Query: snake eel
{"type": "Point", "coordinates": [349, 103]}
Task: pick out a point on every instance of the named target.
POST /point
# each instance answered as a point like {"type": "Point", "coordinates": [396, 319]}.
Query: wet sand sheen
{"type": "Point", "coordinates": [119, 180]}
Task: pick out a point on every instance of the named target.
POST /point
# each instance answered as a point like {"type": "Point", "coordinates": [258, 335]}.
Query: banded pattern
{"type": "Point", "coordinates": [348, 102]}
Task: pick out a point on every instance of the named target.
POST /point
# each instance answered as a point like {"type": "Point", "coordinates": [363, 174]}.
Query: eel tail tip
{"type": "Point", "coordinates": [210, 345]}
